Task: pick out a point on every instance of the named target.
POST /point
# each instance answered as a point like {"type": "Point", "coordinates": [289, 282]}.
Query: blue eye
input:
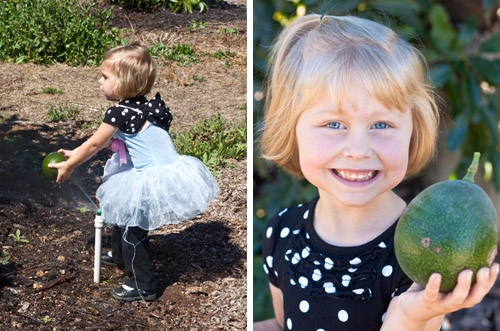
{"type": "Point", "coordinates": [335, 125]}
{"type": "Point", "coordinates": [380, 125]}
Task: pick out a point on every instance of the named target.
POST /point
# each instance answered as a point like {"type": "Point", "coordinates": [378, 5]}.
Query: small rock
{"type": "Point", "coordinates": [61, 258]}
{"type": "Point", "coordinates": [24, 307]}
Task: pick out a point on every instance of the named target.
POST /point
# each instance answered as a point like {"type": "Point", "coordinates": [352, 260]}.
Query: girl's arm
{"type": "Point", "coordinates": [424, 309]}
{"type": "Point", "coordinates": [85, 151]}
{"type": "Point", "coordinates": [277, 323]}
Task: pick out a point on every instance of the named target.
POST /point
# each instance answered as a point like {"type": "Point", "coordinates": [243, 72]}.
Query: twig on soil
{"type": "Point", "coordinates": [57, 281]}
{"type": "Point", "coordinates": [46, 266]}
{"type": "Point", "coordinates": [29, 317]}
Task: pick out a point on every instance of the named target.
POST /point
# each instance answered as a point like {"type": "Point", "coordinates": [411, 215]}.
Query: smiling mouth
{"type": "Point", "coordinates": [355, 175]}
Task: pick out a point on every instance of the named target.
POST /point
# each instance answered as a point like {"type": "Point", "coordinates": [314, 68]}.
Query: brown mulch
{"type": "Point", "coordinates": [200, 265]}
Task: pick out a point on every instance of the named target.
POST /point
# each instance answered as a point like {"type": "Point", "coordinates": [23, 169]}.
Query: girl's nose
{"type": "Point", "coordinates": [357, 145]}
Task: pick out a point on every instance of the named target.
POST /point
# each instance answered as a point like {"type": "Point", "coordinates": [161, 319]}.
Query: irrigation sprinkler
{"type": "Point", "coordinates": [98, 224]}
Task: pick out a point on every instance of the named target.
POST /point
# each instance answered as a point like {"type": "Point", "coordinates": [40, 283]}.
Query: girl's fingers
{"type": "Point", "coordinates": [485, 279]}
{"type": "Point", "coordinates": [431, 293]}
{"type": "Point", "coordinates": [461, 290]}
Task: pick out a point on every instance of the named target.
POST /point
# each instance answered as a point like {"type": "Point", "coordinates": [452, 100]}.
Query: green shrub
{"type": "Point", "coordinates": [50, 31]}
{"type": "Point", "coordinates": [213, 141]}
{"type": "Point", "coordinates": [175, 5]}
{"type": "Point", "coordinates": [187, 5]}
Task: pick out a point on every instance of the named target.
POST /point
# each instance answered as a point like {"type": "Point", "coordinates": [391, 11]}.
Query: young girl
{"type": "Point", "coordinates": [146, 184]}
{"type": "Point", "coordinates": [348, 109]}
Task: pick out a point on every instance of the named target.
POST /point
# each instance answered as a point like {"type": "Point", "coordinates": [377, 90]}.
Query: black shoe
{"type": "Point", "coordinates": [132, 294]}
{"type": "Point", "coordinates": [108, 259]}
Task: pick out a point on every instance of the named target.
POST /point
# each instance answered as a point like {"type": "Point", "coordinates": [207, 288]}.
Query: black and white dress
{"type": "Point", "coordinates": [156, 185]}
{"type": "Point", "coordinates": [328, 287]}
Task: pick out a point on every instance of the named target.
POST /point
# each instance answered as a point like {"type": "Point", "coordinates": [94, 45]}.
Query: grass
{"type": "Point", "coordinates": [220, 54]}
{"type": "Point", "coordinates": [214, 141]}
{"type": "Point", "coordinates": [51, 90]}
{"type": "Point", "coordinates": [184, 54]}
{"type": "Point", "coordinates": [61, 114]}
{"type": "Point", "coordinates": [229, 31]}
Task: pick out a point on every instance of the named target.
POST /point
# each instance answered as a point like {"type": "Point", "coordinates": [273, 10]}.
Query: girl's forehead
{"type": "Point", "coordinates": [106, 64]}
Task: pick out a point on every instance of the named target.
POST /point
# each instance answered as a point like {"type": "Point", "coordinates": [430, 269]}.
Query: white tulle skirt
{"type": "Point", "coordinates": [152, 197]}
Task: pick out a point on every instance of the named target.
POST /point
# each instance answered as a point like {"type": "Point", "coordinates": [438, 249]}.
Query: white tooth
{"type": "Point", "coordinates": [355, 177]}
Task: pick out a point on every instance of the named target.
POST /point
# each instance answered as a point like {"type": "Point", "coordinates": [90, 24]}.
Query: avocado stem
{"type": "Point", "coordinates": [471, 172]}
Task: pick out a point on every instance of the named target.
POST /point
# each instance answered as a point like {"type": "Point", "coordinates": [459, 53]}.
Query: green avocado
{"type": "Point", "coordinates": [54, 157]}
{"type": "Point", "coordinates": [449, 227]}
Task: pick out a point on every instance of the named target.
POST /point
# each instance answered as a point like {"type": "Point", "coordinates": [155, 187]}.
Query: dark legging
{"type": "Point", "coordinates": [131, 251]}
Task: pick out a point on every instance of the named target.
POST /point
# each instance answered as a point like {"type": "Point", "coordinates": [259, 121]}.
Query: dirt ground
{"type": "Point", "coordinates": [200, 265]}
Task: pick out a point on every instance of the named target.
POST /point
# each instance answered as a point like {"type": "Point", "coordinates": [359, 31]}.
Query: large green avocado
{"type": "Point", "coordinates": [449, 227]}
{"type": "Point", "coordinates": [55, 157]}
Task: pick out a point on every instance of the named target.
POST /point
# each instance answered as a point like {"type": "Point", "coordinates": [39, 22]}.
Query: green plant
{"type": "Point", "coordinates": [149, 5]}
{"type": "Point", "coordinates": [197, 78]}
{"type": "Point", "coordinates": [183, 54]}
{"type": "Point", "coordinates": [51, 90]}
{"type": "Point", "coordinates": [214, 141]}
{"type": "Point", "coordinates": [46, 319]}
{"type": "Point", "coordinates": [196, 25]}
{"type": "Point", "coordinates": [61, 114]}
{"type": "Point", "coordinates": [17, 237]}
{"type": "Point", "coordinates": [187, 5]}
{"type": "Point", "coordinates": [226, 64]}
{"type": "Point", "coordinates": [220, 54]}
{"type": "Point", "coordinates": [4, 257]}
{"type": "Point", "coordinates": [83, 209]}
{"type": "Point", "coordinates": [225, 30]}
{"type": "Point", "coordinates": [40, 31]}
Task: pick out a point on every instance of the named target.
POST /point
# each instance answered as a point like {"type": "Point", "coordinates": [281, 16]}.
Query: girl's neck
{"type": "Point", "coordinates": [342, 225]}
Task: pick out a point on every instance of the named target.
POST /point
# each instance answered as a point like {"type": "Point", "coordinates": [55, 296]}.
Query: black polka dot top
{"type": "Point", "coordinates": [130, 115]}
{"type": "Point", "coordinates": [328, 287]}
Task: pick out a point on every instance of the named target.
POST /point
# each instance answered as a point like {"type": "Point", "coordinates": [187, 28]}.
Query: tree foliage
{"type": "Point", "coordinates": [464, 67]}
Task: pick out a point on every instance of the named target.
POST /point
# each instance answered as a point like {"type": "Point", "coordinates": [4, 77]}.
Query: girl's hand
{"type": "Point", "coordinates": [63, 170]}
{"type": "Point", "coordinates": [67, 153]}
{"type": "Point", "coordinates": [417, 306]}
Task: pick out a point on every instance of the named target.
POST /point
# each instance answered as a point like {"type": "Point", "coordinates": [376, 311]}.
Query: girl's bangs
{"type": "Point", "coordinates": [333, 74]}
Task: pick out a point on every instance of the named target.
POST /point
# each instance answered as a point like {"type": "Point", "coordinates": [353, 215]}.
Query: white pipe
{"type": "Point", "coordinates": [98, 224]}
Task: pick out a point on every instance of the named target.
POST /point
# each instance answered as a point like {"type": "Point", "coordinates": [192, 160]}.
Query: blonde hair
{"type": "Point", "coordinates": [134, 69]}
{"type": "Point", "coordinates": [317, 54]}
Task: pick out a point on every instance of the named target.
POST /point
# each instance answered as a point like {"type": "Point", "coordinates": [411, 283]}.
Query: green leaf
{"type": "Point", "coordinates": [442, 33]}
{"type": "Point", "coordinates": [492, 44]}
{"type": "Point", "coordinates": [341, 7]}
{"type": "Point", "coordinates": [489, 69]}
{"type": "Point", "coordinates": [458, 132]}
{"type": "Point", "coordinates": [396, 7]}
{"type": "Point", "coordinates": [491, 123]}
{"type": "Point", "coordinates": [440, 74]}
{"type": "Point", "coordinates": [474, 93]}
{"type": "Point", "coordinates": [467, 33]}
